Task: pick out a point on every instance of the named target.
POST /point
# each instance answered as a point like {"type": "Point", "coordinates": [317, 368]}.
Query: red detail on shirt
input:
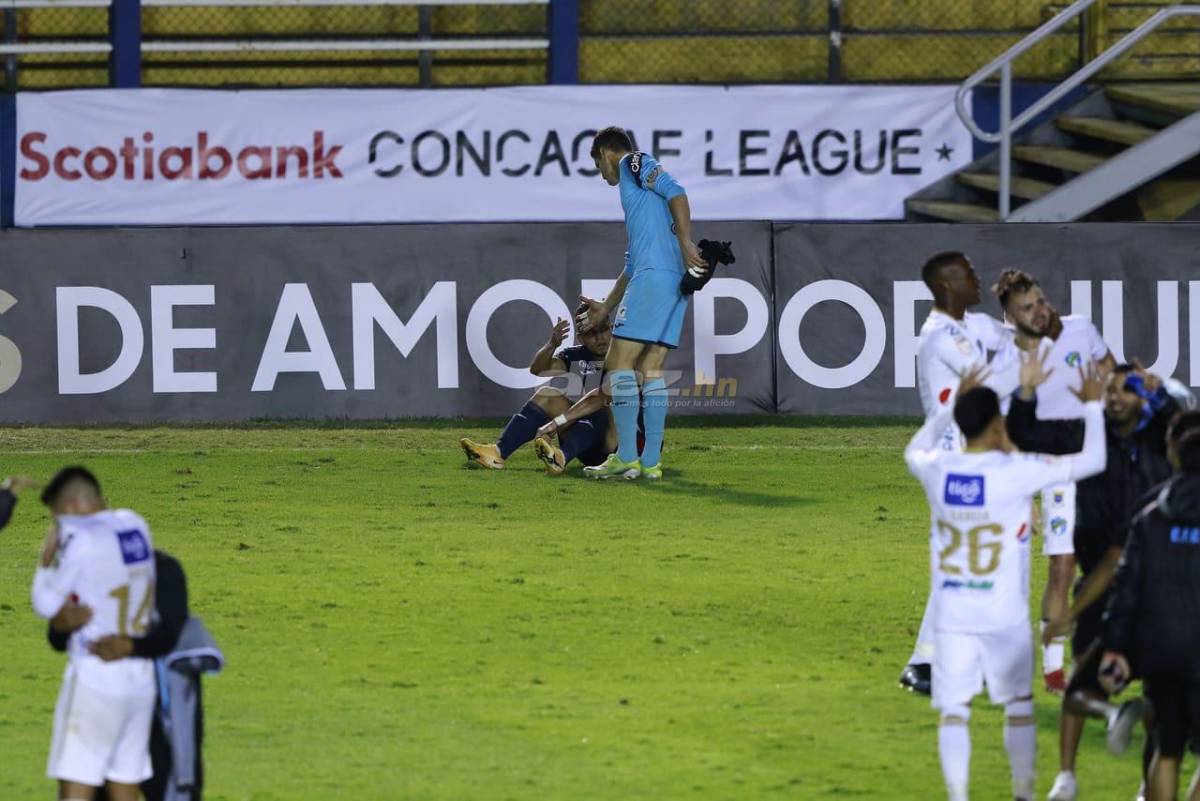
{"type": "Point", "coordinates": [1021, 533]}
{"type": "Point", "coordinates": [944, 396]}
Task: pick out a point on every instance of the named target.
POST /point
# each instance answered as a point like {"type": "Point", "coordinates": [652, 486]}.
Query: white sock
{"type": "Point", "coordinates": [1020, 741]}
{"type": "Point", "coordinates": [954, 748]}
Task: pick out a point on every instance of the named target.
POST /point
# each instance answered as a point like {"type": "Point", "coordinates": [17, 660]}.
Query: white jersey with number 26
{"type": "Point", "coordinates": [980, 504]}
{"type": "Point", "coordinates": [106, 561]}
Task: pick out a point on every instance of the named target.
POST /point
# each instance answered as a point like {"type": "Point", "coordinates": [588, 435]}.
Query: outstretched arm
{"type": "Point", "coordinates": [589, 404]}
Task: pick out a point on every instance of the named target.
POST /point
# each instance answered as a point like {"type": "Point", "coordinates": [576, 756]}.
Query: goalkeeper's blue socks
{"type": "Point", "coordinates": [521, 428]}
{"type": "Point", "coordinates": [654, 420]}
{"type": "Point", "coordinates": [625, 405]}
{"type": "Point", "coordinates": [579, 438]}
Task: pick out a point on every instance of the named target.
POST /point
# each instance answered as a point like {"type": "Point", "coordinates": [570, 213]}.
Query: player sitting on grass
{"type": "Point", "coordinates": [980, 501]}
{"type": "Point", "coordinates": [548, 401]}
{"type": "Point", "coordinates": [649, 318]}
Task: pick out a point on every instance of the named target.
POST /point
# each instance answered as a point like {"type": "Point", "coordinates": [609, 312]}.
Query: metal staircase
{"type": "Point", "coordinates": [1127, 152]}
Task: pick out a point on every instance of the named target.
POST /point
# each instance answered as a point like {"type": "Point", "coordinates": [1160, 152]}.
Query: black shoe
{"type": "Point", "coordinates": [917, 679]}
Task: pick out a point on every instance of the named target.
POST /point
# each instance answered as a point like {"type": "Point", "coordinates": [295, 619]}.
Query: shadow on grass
{"type": "Point", "coordinates": [675, 482]}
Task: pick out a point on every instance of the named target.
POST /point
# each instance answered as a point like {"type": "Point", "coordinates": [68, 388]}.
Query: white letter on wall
{"type": "Point", "coordinates": [873, 345]}
{"type": "Point", "coordinates": [710, 344]}
{"type": "Point", "coordinates": [296, 304]}
{"type": "Point", "coordinates": [368, 308]}
{"type": "Point", "coordinates": [905, 295]}
{"type": "Point", "coordinates": [165, 339]}
{"type": "Point", "coordinates": [69, 300]}
{"type": "Point", "coordinates": [487, 304]}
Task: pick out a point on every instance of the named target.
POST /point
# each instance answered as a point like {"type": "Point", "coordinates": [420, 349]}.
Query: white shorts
{"type": "Point", "coordinates": [1058, 520]}
{"type": "Point", "coordinates": [100, 737]}
{"type": "Point", "coordinates": [962, 662]}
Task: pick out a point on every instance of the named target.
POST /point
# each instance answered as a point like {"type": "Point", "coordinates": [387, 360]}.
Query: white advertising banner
{"type": "Point", "coordinates": [171, 157]}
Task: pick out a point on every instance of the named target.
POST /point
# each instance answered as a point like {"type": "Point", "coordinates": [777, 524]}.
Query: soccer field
{"type": "Point", "coordinates": [398, 627]}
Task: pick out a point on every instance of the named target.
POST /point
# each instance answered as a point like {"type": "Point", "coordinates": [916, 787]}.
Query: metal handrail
{"type": "Point", "coordinates": [1008, 125]}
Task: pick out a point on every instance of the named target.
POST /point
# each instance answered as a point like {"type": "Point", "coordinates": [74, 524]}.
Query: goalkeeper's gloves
{"type": "Point", "coordinates": [712, 252]}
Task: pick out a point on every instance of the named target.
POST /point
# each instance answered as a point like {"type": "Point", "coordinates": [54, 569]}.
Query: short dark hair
{"type": "Point", "coordinates": [975, 410]}
{"type": "Point", "coordinates": [1013, 281]}
{"type": "Point", "coordinates": [614, 138]}
{"type": "Point", "coordinates": [938, 262]}
{"type": "Point", "coordinates": [1184, 434]}
{"type": "Point", "coordinates": [65, 478]}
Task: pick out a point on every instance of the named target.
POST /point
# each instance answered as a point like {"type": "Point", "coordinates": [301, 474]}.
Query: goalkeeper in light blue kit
{"type": "Point", "coordinates": [646, 304]}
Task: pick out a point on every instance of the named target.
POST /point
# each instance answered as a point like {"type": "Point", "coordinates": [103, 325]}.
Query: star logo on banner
{"type": "Point", "coordinates": [944, 152]}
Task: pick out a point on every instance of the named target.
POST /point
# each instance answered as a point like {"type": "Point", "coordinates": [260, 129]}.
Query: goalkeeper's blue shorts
{"type": "Point", "coordinates": [652, 309]}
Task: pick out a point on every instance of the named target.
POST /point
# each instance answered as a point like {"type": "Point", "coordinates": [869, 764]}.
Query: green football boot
{"type": "Point", "coordinates": [613, 467]}
{"type": "Point", "coordinates": [652, 472]}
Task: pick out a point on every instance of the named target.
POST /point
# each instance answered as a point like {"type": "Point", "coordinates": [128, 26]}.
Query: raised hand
{"type": "Point", "coordinates": [1033, 372]}
{"type": "Point", "coordinates": [594, 317]}
{"type": "Point", "coordinates": [973, 378]}
{"type": "Point", "coordinates": [1091, 384]}
{"type": "Point", "coordinates": [559, 332]}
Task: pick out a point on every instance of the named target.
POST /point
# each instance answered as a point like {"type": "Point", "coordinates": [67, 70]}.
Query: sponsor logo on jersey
{"type": "Point", "coordinates": [1074, 359]}
{"type": "Point", "coordinates": [1023, 533]}
{"type": "Point", "coordinates": [964, 490]}
{"type": "Point", "coordinates": [944, 396]}
{"type": "Point", "coordinates": [955, 584]}
{"type": "Point", "coordinates": [1058, 525]}
{"type": "Point", "coordinates": [133, 546]}
{"type": "Point", "coordinates": [1185, 536]}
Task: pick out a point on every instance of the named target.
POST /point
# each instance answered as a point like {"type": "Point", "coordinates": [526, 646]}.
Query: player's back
{"type": "Point", "coordinates": [980, 541]}
{"type": "Point", "coordinates": [107, 562]}
{"type": "Point", "coordinates": [645, 190]}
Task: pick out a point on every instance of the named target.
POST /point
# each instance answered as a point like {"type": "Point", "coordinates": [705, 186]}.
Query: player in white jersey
{"type": "Point", "coordinates": [980, 499]}
{"type": "Point", "coordinates": [1063, 344]}
{"type": "Point", "coordinates": [952, 341]}
{"type": "Point", "coordinates": [101, 559]}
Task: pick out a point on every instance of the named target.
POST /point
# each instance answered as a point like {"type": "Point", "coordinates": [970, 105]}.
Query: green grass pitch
{"type": "Point", "coordinates": [398, 627]}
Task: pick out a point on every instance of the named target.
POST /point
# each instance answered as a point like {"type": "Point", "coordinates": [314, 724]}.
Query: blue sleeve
{"type": "Point", "coordinates": [658, 180]}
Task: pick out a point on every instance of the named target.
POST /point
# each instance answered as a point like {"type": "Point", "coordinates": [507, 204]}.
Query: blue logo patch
{"type": "Point", "coordinates": [1185, 536]}
{"type": "Point", "coordinates": [133, 546]}
{"type": "Point", "coordinates": [964, 490]}
{"type": "Point", "coordinates": [1074, 359]}
{"type": "Point", "coordinates": [1058, 525]}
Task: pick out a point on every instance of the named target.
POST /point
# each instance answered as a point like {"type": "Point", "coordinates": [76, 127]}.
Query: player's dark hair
{"type": "Point", "coordinates": [975, 409]}
{"type": "Point", "coordinates": [612, 138]}
{"type": "Point", "coordinates": [939, 262]}
{"type": "Point", "coordinates": [66, 478]}
{"type": "Point", "coordinates": [1013, 281]}
{"type": "Point", "coordinates": [1184, 434]}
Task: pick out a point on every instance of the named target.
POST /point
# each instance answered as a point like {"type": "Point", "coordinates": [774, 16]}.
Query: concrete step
{"type": "Point", "coordinates": [1059, 157]}
{"type": "Point", "coordinates": [1022, 187]}
{"type": "Point", "coordinates": [1124, 133]}
{"type": "Point", "coordinates": [1180, 99]}
{"type": "Point", "coordinates": [954, 212]}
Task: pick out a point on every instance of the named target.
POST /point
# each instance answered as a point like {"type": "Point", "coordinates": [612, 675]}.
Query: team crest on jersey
{"type": "Point", "coordinates": [1074, 359]}
{"type": "Point", "coordinates": [133, 546]}
{"type": "Point", "coordinates": [1058, 525]}
{"type": "Point", "coordinates": [964, 490]}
